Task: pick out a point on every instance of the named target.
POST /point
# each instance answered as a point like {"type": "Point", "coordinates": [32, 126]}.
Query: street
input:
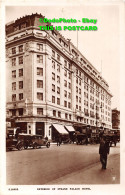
{"type": "Point", "coordinates": [65, 164]}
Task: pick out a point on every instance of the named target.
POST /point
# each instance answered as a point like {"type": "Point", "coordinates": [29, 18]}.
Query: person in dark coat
{"type": "Point", "coordinates": [104, 151]}
{"type": "Point", "coordinates": [59, 140]}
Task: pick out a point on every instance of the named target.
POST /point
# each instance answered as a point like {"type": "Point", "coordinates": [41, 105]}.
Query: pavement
{"type": "Point", "coordinates": [94, 174]}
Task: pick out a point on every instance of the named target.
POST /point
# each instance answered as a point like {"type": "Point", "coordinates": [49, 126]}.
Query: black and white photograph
{"type": "Point", "coordinates": [61, 93]}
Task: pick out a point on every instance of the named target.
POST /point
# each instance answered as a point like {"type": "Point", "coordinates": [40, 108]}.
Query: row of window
{"type": "Point", "coordinates": [78, 98]}
{"type": "Point", "coordinates": [57, 56]}
{"type": "Point", "coordinates": [58, 114]}
{"type": "Point", "coordinates": [78, 81]}
{"type": "Point", "coordinates": [14, 97]}
{"type": "Point", "coordinates": [14, 73]}
{"type": "Point", "coordinates": [20, 85]}
{"type": "Point", "coordinates": [20, 60]}
{"type": "Point", "coordinates": [78, 90]}
{"type": "Point", "coordinates": [54, 66]}
{"type": "Point", "coordinates": [78, 107]}
{"type": "Point", "coordinates": [78, 72]}
{"type": "Point", "coordinates": [20, 49]}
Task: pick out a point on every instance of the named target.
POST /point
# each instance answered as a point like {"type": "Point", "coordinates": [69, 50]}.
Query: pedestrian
{"type": "Point", "coordinates": [86, 140]}
{"type": "Point", "coordinates": [104, 151]}
{"type": "Point", "coordinates": [58, 140]}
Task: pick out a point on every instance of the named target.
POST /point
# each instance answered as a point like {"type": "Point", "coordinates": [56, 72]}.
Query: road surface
{"type": "Point", "coordinates": [65, 164]}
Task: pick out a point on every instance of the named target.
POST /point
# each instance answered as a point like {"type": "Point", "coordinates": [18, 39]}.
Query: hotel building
{"type": "Point", "coordinates": [49, 82]}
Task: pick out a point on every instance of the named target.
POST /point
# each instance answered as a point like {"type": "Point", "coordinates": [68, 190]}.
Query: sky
{"type": "Point", "coordinates": [101, 47]}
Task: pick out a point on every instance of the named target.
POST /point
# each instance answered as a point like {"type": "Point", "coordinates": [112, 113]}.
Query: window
{"type": "Point", "coordinates": [79, 99]}
{"type": "Point", "coordinates": [77, 80]}
{"type": "Point", "coordinates": [69, 105]}
{"type": "Point", "coordinates": [13, 97]}
{"type": "Point", "coordinates": [80, 73]}
{"type": "Point", "coordinates": [80, 108]}
{"type": "Point", "coordinates": [14, 86]}
{"type": "Point", "coordinates": [20, 111]}
{"type": "Point", "coordinates": [53, 64]}
{"type": "Point", "coordinates": [53, 99]}
{"type": "Point", "coordinates": [65, 83]}
{"type": "Point", "coordinates": [76, 98]}
{"type": "Point", "coordinates": [40, 71]}
{"type": "Point", "coordinates": [77, 71]}
{"type": "Point", "coordinates": [40, 47]}
{"type": "Point", "coordinates": [14, 50]}
{"type": "Point", "coordinates": [66, 116]}
{"type": "Point", "coordinates": [40, 111]}
{"type": "Point", "coordinates": [39, 84]}
{"type": "Point", "coordinates": [39, 59]}
{"type": "Point", "coordinates": [53, 87]}
{"type": "Point", "coordinates": [76, 89]}
{"type": "Point", "coordinates": [53, 76]}
{"type": "Point", "coordinates": [69, 66]}
{"type": "Point", "coordinates": [20, 96]}
{"type": "Point", "coordinates": [13, 112]}
{"type": "Point", "coordinates": [69, 75]}
{"type": "Point", "coordinates": [69, 85]}
{"type": "Point", "coordinates": [58, 79]}
{"type": "Point", "coordinates": [20, 72]}
{"type": "Point", "coordinates": [20, 84]}
{"type": "Point", "coordinates": [14, 74]}
{"type": "Point", "coordinates": [58, 57]}
{"type": "Point", "coordinates": [70, 117]}
{"type": "Point", "coordinates": [79, 91]}
{"type": "Point", "coordinates": [69, 95]}
{"type": "Point", "coordinates": [53, 53]}
{"type": "Point", "coordinates": [21, 60]}
{"type": "Point", "coordinates": [54, 112]}
{"type": "Point", "coordinates": [20, 48]}
{"type": "Point", "coordinates": [65, 63]}
{"type": "Point", "coordinates": [40, 96]}
{"type": "Point", "coordinates": [65, 93]}
{"type": "Point", "coordinates": [13, 61]}
{"type": "Point", "coordinates": [58, 90]}
{"type": "Point", "coordinates": [76, 106]}
{"type": "Point", "coordinates": [65, 103]}
{"type": "Point", "coordinates": [58, 101]}
{"type": "Point", "coordinates": [59, 114]}
{"type": "Point", "coordinates": [58, 68]}
{"type": "Point", "coordinates": [65, 73]}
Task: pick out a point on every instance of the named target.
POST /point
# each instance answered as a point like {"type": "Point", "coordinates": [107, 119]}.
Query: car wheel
{"type": "Point", "coordinates": [25, 147]}
{"type": "Point", "coordinates": [48, 145]}
{"type": "Point", "coordinates": [35, 146]}
{"type": "Point", "coordinates": [20, 146]}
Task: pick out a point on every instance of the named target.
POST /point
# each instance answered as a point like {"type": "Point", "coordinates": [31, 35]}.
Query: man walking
{"type": "Point", "coordinates": [104, 151]}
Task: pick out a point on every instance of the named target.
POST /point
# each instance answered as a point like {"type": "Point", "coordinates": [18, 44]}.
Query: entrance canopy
{"type": "Point", "coordinates": [60, 129]}
{"type": "Point", "coordinates": [70, 128]}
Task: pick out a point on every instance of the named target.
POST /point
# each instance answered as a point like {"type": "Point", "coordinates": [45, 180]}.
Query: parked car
{"type": "Point", "coordinates": [80, 139]}
{"type": "Point", "coordinates": [12, 142]}
{"type": "Point", "coordinates": [35, 141]}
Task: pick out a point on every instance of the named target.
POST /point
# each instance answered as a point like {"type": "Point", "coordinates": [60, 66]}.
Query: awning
{"type": "Point", "coordinates": [70, 128]}
{"type": "Point", "coordinates": [60, 129]}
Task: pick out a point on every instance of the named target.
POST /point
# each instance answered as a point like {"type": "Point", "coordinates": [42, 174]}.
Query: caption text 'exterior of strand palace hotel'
{"type": "Point", "coordinates": [50, 84]}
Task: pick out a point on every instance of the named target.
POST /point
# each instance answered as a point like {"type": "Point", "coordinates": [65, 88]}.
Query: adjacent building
{"type": "Point", "coordinates": [49, 81]}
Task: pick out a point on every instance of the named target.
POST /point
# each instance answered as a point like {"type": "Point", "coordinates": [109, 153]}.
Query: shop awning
{"type": "Point", "coordinates": [60, 129]}
{"type": "Point", "coordinates": [70, 128]}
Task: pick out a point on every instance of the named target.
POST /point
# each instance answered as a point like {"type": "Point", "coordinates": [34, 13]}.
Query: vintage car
{"type": "Point", "coordinates": [12, 142]}
{"type": "Point", "coordinates": [81, 138]}
{"type": "Point", "coordinates": [35, 141]}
